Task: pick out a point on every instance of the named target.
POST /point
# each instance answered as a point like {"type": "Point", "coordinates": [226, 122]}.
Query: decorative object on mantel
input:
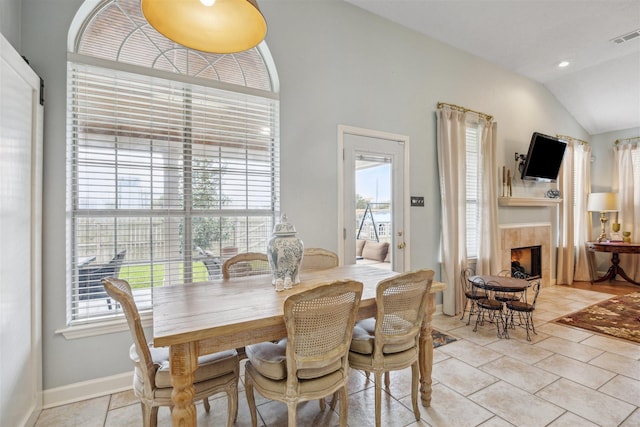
{"type": "Point", "coordinates": [284, 252]}
{"type": "Point", "coordinates": [603, 203]}
{"type": "Point", "coordinates": [626, 236]}
{"type": "Point", "coordinates": [553, 193]}
{"type": "Point", "coordinates": [506, 182]}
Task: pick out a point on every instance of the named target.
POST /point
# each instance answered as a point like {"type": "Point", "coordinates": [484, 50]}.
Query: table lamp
{"type": "Point", "coordinates": [603, 203]}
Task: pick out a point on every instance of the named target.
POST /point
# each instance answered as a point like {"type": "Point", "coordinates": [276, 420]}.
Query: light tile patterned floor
{"type": "Point", "coordinates": [564, 377]}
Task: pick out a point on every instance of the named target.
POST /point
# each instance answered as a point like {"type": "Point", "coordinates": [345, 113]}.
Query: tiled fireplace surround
{"type": "Point", "coordinates": [525, 235]}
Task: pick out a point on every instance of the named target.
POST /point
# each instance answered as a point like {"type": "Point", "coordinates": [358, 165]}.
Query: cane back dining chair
{"type": "Point", "coordinates": [524, 309]}
{"type": "Point", "coordinates": [216, 373]}
{"type": "Point", "coordinates": [318, 259]}
{"type": "Point", "coordinates": [471, 294]}
{"type": "Point", "coordinates": [312, 362]}
{"type": "Point", "coordinates": [389, 342]}
{"type": "Point", "coordinates": [246, 264]}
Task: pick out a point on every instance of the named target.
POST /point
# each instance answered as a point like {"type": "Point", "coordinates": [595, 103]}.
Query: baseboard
{"type": "Point", "coordinates": [86, 390]}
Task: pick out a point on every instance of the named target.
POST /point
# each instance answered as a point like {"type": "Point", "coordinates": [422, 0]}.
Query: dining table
{"type": "Point", "coordinates": [203, 318]}
{"type": "Point", "coordinates": [497, 283]}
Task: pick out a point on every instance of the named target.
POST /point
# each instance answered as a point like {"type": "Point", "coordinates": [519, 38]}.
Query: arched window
{"type": "Point", "coordinates": [173, 158]}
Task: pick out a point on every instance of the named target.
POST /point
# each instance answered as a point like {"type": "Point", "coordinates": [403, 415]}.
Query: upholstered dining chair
{"type": "Point", "coordinates": [524, 309]}
{"type": "Point", "coordinates": [471, 293]}
{"type": "Point", "coordinates": [389, 342]}
{"type": "Point", "coordinates": [216, 373]}
{"type": "Point", "coordinates": [312, 362]}
{"type": "Point", "coordinates": [318, 259]}
{"type": "Point", "coordinates": [246, 264]}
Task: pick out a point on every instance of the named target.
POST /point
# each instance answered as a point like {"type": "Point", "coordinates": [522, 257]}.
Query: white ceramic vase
{"type": "Point", "coordinates": [285, 252]}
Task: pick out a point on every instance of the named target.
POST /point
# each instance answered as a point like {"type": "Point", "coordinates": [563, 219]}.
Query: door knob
{"type": "Point", "coordinates": [401, 245]}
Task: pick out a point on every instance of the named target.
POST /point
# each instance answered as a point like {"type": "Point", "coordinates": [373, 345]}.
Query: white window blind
{"type": "Point", "coordinates": [166, 179]}
{"type": "Point", "coordinates": [473, 189]}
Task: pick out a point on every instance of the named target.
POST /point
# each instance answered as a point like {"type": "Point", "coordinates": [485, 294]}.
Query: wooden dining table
{"type": "Point", "coordinates": [207, 317]}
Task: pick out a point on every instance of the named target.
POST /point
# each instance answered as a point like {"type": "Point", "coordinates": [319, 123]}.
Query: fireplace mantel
{"type": "Point", "coordinates": [528, 201]}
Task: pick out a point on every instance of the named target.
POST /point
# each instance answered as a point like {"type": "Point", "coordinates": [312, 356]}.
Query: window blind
{"type": "Point", "coordinates": [166, 179]}
{"type": "Point", "coordinates": [472, 189]}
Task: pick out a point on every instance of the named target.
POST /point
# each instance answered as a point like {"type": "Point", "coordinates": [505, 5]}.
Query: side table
{"type": "Point", "coordinates": [616, 248]}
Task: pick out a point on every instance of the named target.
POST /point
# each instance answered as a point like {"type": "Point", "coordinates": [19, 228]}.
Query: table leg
{"type": "Point", "coordinates": [183, 359]}
{"type": "Point", "coordinates": [426, 352]}
{"type": "Point", "coordinates": [614, 270]}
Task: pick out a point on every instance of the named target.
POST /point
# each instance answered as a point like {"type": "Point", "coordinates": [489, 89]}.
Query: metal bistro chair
{"type": "Point", "coordinates": [312, 362]}
{"type": "Point", "coordinates": [216, 373]}
{"type": "Point", "coordinates": [507, 296]}
{"type": "Point", "coordinates": [524, 309]}
{"type": "Point", "coordinates": [212, 263]}
{"type": "Point", "coordinates": [471, 293]}
{"type": "Point", "coordinates": [490, 309]}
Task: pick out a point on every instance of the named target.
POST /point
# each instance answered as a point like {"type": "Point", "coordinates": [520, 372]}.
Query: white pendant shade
{"type": "Point", "coordinates": [227, 26]}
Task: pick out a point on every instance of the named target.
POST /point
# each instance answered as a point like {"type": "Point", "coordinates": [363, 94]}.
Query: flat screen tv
{"type": "Point", "coordinates": [544, 158]}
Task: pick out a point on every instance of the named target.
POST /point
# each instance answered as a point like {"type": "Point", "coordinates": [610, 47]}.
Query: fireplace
{"type": "Point", "coordinates": [526, 262]}
{"type": "Point", "coordinates": [525, 236]}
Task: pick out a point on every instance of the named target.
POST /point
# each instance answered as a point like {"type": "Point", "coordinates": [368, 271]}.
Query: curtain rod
{"type": "Point", "coordinates": [464, 110]}
{"type": "Point", "coordinates": [573, 139]}
{"type": "Point", "coordinates": [623, 140]}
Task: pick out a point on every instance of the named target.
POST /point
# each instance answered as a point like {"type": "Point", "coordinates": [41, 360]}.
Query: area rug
{"type": "Point", "coordinates": [618, 316]}
{"type": "Point", "coordinates": [440, 339]}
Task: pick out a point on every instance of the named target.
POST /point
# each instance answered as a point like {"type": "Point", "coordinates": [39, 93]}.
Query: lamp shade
{"type": "Point", "coordinates": [226, 26]}
{"type": "Point", "coordinates": [602, 202]}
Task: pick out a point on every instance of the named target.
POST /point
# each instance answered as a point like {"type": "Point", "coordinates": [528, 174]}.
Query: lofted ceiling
{"type": "Point", "coordinates": [600, 87]}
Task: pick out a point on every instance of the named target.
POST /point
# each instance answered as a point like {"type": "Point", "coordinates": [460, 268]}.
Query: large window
{"type": "Point", "coordinates": [173, 160]}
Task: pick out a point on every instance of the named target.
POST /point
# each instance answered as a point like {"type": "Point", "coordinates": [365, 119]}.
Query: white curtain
{"type": "Point", "coordinates": [451, 143]}
{"type": "Point", "coordinates": [489, 248]}
{"type": "Point", "coordinates": [628, 190]}
{"type": "Point", "coordinates": [575, 222]}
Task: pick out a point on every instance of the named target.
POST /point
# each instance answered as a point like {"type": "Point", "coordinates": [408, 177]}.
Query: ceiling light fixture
{"type": "Point", "coordinates": [215, 26]}
{"type": "Point", "coordinates": [563, 64]}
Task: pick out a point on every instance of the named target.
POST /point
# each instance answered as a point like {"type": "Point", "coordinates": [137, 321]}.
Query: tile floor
{"type": "Point", "coordinates": [563, 377]}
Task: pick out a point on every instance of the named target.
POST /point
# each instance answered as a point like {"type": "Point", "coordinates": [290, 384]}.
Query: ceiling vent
{"type": "Point", "coordinates": [626, 37]}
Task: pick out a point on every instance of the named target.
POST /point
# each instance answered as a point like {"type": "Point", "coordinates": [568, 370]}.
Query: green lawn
{"type": "Point", "coordinates": [139, 276]}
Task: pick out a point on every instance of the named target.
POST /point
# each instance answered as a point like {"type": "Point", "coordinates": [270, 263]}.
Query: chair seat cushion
{"type": "Point", "coordinates": [519, 306]}
{"type": "Point", "coordinates": [209, 366]}
{"type": "Point", "coordinates": [270, 360]}
{"type": "Point", "coordinates": [363, 339]}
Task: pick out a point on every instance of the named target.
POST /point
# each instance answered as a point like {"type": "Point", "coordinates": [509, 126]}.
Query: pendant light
{"type": "Point", "coordinates": [215, 26]}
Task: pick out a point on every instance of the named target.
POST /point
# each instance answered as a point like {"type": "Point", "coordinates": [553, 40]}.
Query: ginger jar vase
{"type": "Point", "coordinates": [284, 252]}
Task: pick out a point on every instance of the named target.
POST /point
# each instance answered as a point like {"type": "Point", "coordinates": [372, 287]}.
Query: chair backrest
{"type": "Point", "coordinates": [401, 303]}
{"type": "Point", "coordinates": [536, 291]}
{"type": "Point", "coordinates": [318, 259]}
{"type": "Point", "coordinates": [246, 264]}
{"type": "Point", "coordinates": [464, 279]}
{"type": "Point", "coordinates": [120, 291]}
{"type": "Point", "coordinates": [319, 325]}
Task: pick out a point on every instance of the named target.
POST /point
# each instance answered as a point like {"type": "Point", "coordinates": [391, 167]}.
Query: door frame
{"type": "Point", "coordinates": [352, 130]}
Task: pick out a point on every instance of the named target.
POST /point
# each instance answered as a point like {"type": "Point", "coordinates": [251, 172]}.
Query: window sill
{"type": "Point", "coordinates": [102, 328]}
{"type": "Point", "coordinates": [528, 201]}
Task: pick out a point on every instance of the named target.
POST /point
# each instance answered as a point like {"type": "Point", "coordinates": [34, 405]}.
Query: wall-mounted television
{"type": "Point", "coordinates": [543, 158]}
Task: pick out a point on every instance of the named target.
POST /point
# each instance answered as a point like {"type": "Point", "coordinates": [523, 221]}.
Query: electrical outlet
{"type": "Point", "coordinates": [417, 201]}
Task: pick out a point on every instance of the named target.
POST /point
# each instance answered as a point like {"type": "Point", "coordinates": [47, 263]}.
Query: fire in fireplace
{"type": "Point", "coordinates": [526, 263]}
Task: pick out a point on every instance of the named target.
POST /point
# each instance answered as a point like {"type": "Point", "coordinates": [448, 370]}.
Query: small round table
{"type": "Point", "coordinates": [500, 283]}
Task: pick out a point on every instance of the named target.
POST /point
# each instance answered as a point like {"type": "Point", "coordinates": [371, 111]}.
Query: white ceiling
{"type": "Point", "coordinates": [601, 86]}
